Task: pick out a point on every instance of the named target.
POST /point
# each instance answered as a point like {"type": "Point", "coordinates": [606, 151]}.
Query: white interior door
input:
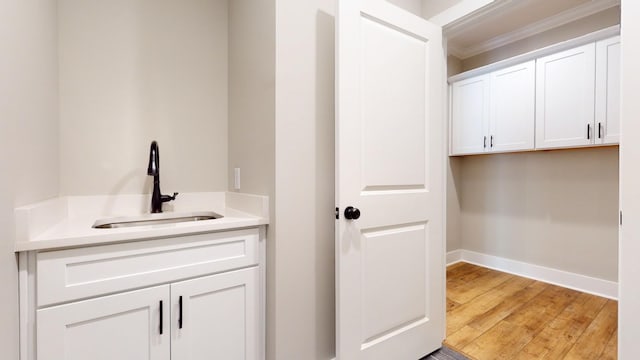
{"type": "Point", "coordinates": [390, 165]}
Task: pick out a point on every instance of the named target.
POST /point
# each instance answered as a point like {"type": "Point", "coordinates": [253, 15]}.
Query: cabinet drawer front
{"type": "Point", "coordinates": [73, 274]}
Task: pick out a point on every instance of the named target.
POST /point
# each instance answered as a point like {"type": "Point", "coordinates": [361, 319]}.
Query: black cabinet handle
{"type": "Point", "coordinates": [161, 317]}
{"type": "Point", "coordinates": [485, 142]}
{"type": "Point", "coordinates": [588, 131]}
{"type": "Point", "coordinates": [180, 312]}
{"type": "Point", "coordinates": [492, 141]}
{"type": "Point", "coordinates": [599, 130]}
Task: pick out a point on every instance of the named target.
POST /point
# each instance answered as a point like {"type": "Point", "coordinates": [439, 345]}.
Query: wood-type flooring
{"type": "Point", "coordinates": [494, 315]}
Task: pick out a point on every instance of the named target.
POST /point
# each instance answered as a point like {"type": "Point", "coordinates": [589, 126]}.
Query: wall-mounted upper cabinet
{"type": "Point", "coordinates": [494, 112]}
{"type": "Point", "coordinates": [470, 115]}
{"type": "Point", "coordinates": [565, 97]}
{"type": "Point", "coordinates": [608, 91]}
{"type": "Point", "coordinates": [511, 117]}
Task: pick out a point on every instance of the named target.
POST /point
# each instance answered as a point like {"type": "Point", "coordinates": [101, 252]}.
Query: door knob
{"type": "Point", "coordinates": [351, 213]}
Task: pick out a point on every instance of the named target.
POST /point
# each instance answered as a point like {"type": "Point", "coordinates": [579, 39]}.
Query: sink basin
{"type": "Point", "coordinates": [154, 219]}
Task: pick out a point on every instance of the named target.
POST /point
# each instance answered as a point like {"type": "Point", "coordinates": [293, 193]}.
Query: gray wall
{"type": "Point", "coordinates": [133, 71]}
{"type": "Point", "coordinates": [304, 213]}
{"type": "Point", "coordinates": [454, 168]}
{"type": "Point", "coordinates": [252, 120]}
{"type": "Point", "coordinates": [28, 135]}
{"type": "Point", "coordinates": [557, 209]}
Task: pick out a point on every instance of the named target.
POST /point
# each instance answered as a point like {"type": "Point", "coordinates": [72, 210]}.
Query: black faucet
{"type": "Point", "coordinates": [154, 170]}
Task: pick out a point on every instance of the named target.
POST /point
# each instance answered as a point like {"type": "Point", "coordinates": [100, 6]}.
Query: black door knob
{"type": "Point", "coordinates": [351, 213]}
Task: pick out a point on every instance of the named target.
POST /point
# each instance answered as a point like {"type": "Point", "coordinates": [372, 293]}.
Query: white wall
{"type": "Point", "coordinates": [28, 135]}
{"type": "Point", "coordinates": [135, 71]}
{"type": "Point", "coordinates": [431, 8]}
{"type": "Point", "coordinates": [557, 209]}
{"type": "Point", "coordinates": [413, 6]}
{"type": "Point", "coordinates": [629, 309]}
{"type": "Point", "coordinates": [252, 120]}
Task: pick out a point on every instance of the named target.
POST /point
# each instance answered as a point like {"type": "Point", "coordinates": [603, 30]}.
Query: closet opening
{"type": "Point", "coordinates": [532, 183]}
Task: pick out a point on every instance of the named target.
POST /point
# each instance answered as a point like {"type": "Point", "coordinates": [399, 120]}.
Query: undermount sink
{"type": "Point", "coordinates": [154, 219]}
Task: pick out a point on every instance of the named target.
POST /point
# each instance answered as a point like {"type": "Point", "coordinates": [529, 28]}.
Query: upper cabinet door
{"type": "Point", "coordinates": [565, 98]}
{"type": "Point", "coordinates": [608, 91]}
{"type": "Point", "coordinates": [470, 115]}
{"type": "Point", "coordinates": [128, 326]}
{"type": "Point", "coordinates": [512, 116]}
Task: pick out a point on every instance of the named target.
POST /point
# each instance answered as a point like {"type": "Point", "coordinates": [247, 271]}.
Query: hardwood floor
{"type": "Point", "coordinates": [495, 315]}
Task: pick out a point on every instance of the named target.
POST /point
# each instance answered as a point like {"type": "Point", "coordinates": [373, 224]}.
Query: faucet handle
{"type": "Point", "coordinates": [166, 198]}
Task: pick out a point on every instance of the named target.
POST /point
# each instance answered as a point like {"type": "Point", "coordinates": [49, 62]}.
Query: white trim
{"type": "Point", "coordinates": [565, 45]}
{"type": "Point", "coordinates": [557, 20]}
{"type": "Point", "coordinates": [587, 284]}
{"type": "Point", "coordinates": [454, 256]}
{"type": "Point", "coordinates": [463, 22]}
{"type": "Point", "coordinates": [459, 11]}
{"type": "Point", "coordinates": [27, 305]}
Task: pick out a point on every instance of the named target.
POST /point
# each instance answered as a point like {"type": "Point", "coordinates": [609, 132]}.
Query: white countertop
{"type": "Point", "coordinates": [67, 221]}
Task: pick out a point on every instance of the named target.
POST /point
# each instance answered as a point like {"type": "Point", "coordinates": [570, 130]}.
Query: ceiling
{"type": "Point", "coordinates": [506, 21]}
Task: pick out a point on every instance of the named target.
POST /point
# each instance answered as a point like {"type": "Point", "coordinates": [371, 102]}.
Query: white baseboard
{"type": "Point", "coordinates": [454, 256]}
{"type": "Point", "coordinates": [587, 284]}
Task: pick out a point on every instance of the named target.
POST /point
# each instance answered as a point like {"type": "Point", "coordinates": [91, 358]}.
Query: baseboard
{"type": "Point", "coordinates": [587, 284]}
{"type": "Point", "coordinates": [454, 256]}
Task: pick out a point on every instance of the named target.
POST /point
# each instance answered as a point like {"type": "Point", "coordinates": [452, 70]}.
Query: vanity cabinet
{"type": "Point", "coordinates": [181, 298]}
{"type": "Point", "coordinates": [216, 317]}
{"type": "Point", "coordinates": [122, 326]}
{"type": "Point", "coordinates": [494, 112]}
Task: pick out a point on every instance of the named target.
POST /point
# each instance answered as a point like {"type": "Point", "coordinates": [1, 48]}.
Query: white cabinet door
{"type": "Point", "coordinates": [512, 115]}
{"type": "Point", "coordinates": [608, 91]}
{"type": "Point", "coordinates": [565, 84]}
{"type": "Point", "coordinates": [216, 317]}
{"type": "Point", "coordinates": [125, 327]}
{"type": "Point", "coordinates": [470, 115]}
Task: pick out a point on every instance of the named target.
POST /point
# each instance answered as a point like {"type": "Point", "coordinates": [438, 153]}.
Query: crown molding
{"type": "Point", "coordinates": [458, 11]}
{"type": "Point", "coordinates": [495, 8]}
{"type": "Point", "coordinates": [552, 49]}
{"type": "Point", "coordinates": [538, 27]}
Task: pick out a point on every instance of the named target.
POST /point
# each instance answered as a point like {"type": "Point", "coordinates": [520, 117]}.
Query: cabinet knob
{"type": "Point", "coordinates": [351, 213]}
